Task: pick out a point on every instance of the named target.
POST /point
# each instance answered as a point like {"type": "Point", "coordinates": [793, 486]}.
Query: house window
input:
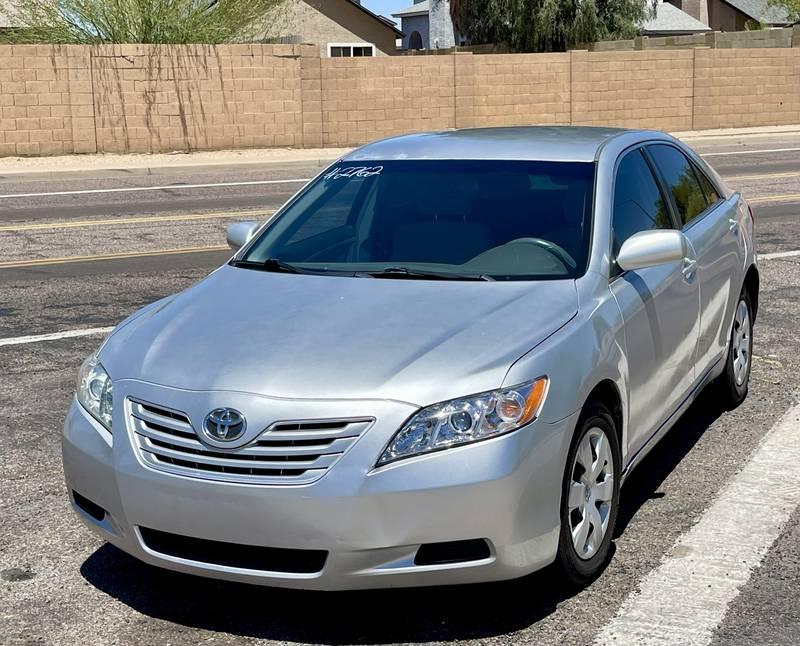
{"type": "Point", "coordinates": [348, 50]}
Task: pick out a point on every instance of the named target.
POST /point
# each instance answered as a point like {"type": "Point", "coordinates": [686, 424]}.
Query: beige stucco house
{"type": "Point", "coordinates": [338, 27]}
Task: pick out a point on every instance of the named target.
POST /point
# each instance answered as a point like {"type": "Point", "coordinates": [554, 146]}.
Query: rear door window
{"type": "Point", "coordinates": [681, 180]}
{"type": "Point", "coordinates": [712, 194]}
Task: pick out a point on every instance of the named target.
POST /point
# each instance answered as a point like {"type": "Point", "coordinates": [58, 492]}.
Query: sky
{"type": "Point", "coordinates": [386, 7]}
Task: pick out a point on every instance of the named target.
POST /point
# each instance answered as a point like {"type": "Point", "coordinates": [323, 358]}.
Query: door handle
{"type": "Point", "coordinates": [689, 266]}
{"type": "Point", "coordinates": [733, 226]}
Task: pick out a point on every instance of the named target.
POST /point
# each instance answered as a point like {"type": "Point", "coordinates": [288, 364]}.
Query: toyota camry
{"type": "Point", "coordinates": [436, 364]}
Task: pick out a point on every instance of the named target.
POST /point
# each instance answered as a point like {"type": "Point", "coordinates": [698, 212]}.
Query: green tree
{"type": "Point", "coordinates": [790, 7]}
{"type": "Point", "coordinates": [548, 25]}
{"type": "Point", "coordinates": [138, 21]}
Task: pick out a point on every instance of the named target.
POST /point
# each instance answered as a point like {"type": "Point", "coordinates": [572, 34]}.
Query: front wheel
{"type": "Point", "coordinates": [735, 379]}
{"type": "Point", "coordinates": [590, 497]}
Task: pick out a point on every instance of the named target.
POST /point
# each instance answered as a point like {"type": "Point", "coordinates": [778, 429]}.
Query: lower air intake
{"type": "Point", "coordinates": [248, 557]}
{"type": "Point", "coordinates": [452, 552]}
{"type": "Point", "coordinates": [91, 508]}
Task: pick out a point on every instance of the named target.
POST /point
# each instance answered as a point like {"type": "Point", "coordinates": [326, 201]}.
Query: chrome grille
{"type": "Point", "coordinates": [285, 453]}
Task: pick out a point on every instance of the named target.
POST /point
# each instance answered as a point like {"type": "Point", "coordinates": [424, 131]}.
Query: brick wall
{"type": "Point", "coordinates": [738, 88]}
{"type": "Point", "coordinates": [142, 98]}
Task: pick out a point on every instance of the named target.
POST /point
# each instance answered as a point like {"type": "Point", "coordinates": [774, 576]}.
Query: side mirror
{"type": "Point", "coordinates": [240, 233]}
{"type": "Point", "coordinates": [651, 248]}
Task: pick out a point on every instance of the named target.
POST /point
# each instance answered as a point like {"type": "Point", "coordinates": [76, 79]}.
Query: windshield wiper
{"type": "Point", "coordinates": [270, 264]}
{"type": "Point", "coordinates": [414, 274]}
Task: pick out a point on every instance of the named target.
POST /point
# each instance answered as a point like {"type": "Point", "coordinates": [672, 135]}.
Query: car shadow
{"type": "Point", "coordinates": [644, 482]}
{"type": "Point", "coordinates": [359, 617]}
{"type": "Point", "coordinates": [382, 616]}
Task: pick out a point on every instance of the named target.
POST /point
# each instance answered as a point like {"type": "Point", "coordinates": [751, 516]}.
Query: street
{"type": "Point", "coordinates": [83, 249]}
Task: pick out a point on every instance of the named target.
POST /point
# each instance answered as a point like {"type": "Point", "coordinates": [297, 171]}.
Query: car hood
{"type": "Point", "coordinates": [324, 337]}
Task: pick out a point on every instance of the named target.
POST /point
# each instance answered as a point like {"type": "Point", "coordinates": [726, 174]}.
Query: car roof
{"type": "Point", "coordinates": [531, 143]}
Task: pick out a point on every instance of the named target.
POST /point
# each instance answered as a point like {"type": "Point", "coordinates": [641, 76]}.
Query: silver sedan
{"type": "Point", "coordinates": [436, 364]}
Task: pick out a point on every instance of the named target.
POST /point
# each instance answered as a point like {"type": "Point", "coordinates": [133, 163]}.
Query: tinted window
{"type": "Point", "coordinates": [506, 219]}
{"type": "Point", "coordinates": [681, 180]}
{"type": "Point", "coordinates": [638, 204]}
{"type": "Point", "coordinates": [330, 212]}
{"type": "Point", "coordinates": [711, 193]}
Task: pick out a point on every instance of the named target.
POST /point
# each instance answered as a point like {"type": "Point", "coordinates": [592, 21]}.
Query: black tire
{"type": "Point", "coordinates": [579, 571]}
{"type": "Point", "coordinates": [732, 390]}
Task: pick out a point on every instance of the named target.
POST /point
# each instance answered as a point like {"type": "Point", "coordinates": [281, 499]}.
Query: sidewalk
{"type": "Point", "coordinates": [77, 163]}
{"type": "Point", "coordinates": [776, 131]}
{"type": "Point", "coordinates": [144, 161]}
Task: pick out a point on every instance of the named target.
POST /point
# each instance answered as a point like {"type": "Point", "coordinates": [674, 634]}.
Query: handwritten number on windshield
{"type": "Point", "coordinates": [354, 171]}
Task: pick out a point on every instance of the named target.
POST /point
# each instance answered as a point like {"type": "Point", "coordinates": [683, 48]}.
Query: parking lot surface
{"type": "Point", "coordinates": [82, 250]}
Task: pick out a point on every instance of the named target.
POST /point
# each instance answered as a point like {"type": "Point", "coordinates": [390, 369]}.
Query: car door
{"type": "Point", "coordinates": [659, 305]}
{"type": "Point", "coordinates": [711, 225]}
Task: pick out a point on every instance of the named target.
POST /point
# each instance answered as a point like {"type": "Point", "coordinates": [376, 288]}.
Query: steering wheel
{"type": "Point", "coordinates": [551, 247]}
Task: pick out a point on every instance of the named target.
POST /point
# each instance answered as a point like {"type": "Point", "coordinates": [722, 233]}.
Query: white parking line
{"type": "Point", "coordinates": [750, 152]}
{"type": "Point", "coordinates": [167, 187]}
{"type": "Point", "coordinates": [686, 597]}
{"type": "Point", "coordinates": [69, 334]}
{"type": "Point", "coordinates": [778, 254]}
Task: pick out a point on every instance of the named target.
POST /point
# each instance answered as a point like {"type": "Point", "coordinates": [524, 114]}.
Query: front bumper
{"type": "Point", "coordinates": [370, 522]}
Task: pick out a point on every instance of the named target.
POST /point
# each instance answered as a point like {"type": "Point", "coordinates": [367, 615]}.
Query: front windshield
{"type": "Point", "coordinates": [505, 220]}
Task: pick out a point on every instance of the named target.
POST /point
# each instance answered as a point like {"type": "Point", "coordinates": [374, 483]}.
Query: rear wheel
{"type": "Point", "coordinates": [735, 379]}
{"type": "Point", "coordinates": [590, 497]}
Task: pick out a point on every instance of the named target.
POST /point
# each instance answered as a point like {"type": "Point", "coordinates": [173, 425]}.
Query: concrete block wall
{"type": "Point", "coordinates": [512, 89]}
{"type": "Point", "coordinates": [45, 100]}
{"type": "Point", "coordinates": [648, 89]}
{"type": "Point", "coordinates": [368, 98]}
{"type": "Point", "coordinates": [142, 98]}
{"type": "Point", "coordinates": [741, 88]}
{"type": "Point", "coordinates": [757, 38]}
{"type": "Point", "coordinates": [152, 99]}
{"type": "Point", "coordinates": [783, 37]}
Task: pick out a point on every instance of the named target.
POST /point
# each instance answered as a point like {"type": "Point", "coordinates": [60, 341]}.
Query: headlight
{"type": "Point", "coordinates": [95, 390]}
{"type": "Point", "coordinates": [468, 419]}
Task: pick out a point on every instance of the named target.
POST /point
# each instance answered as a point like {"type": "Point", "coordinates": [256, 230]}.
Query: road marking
{"type": "Point", "coordinates": [686, 597]}
{"type": "Point", "coordinates": [136, 220]}
{"type": "Point", "coordinates": [778, 254]}
{"type": "Point", "coordinates": [744, 178]}
{"type": "Point", "coordinates": [786, 197]}
{"type": "Point", "coordinates": [167, 187]}
{"type": "Point", "coordinates": [750, 152]}
{"type": "Point", "coordinates": [69, 334]}
{"type": "Point", "coordinates": [18, 264]}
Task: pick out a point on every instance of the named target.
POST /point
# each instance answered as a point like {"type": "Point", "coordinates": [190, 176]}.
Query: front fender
{"type": "Point", "coordinates": [587, 351]}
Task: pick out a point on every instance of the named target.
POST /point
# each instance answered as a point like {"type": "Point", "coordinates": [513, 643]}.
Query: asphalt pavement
{"type": "Point", "coordinates": [84, 249]}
